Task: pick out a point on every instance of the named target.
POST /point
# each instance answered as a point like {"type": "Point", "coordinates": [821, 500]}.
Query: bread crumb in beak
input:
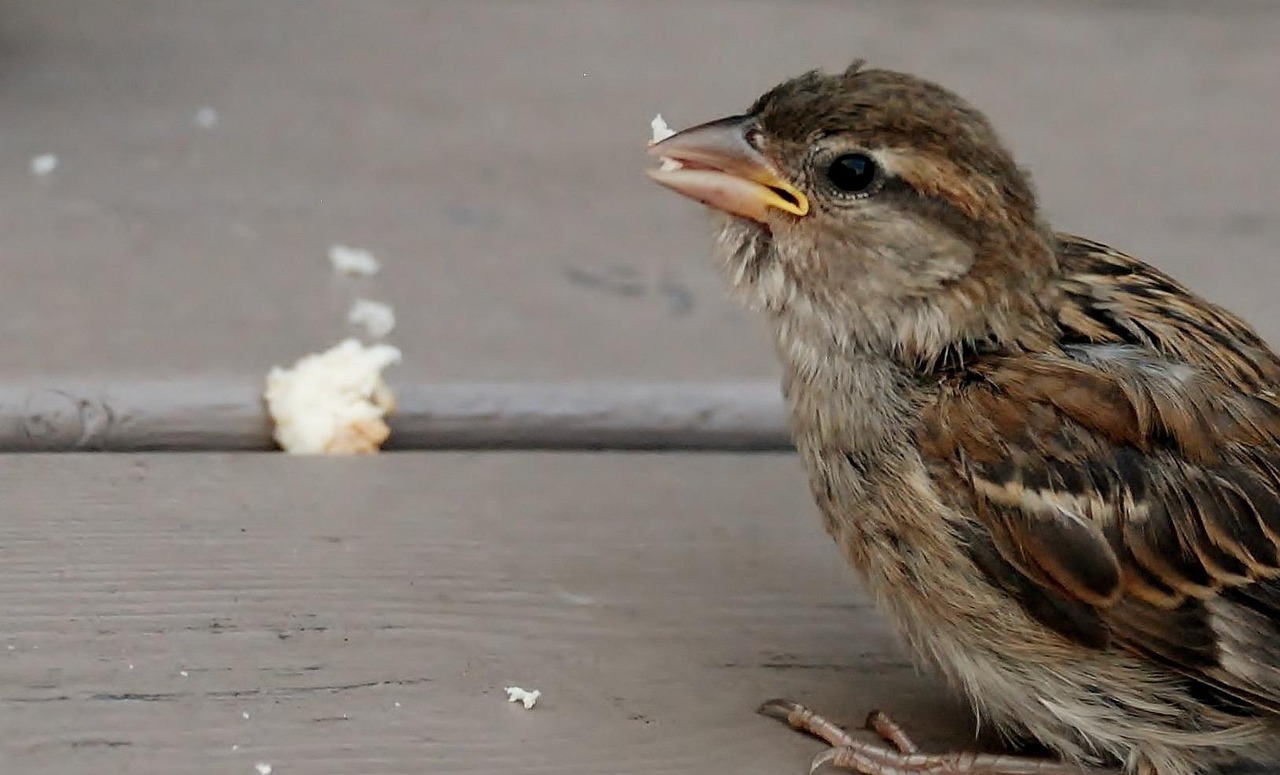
{"type": "Point", "coordinates": [661, 132]}
{"type": "Point", "coordinates": [660, 129]}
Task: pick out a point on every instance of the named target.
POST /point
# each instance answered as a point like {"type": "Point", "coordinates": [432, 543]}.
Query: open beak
{"type": "Point", "coordinates": [716, 165]}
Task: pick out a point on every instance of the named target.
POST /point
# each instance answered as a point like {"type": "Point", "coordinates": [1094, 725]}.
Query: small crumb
{"type": "Point", "coordinates": [661, 132]}
{"type": "Point", "coordinates": [244, 714]}
{"type": "Point", "coordinates": [263, 768]}
{"type": "Point", "coordinates": [130, 665]}
{"type": "Point", "coordinates": [528, 698]}
{"type": "Point", "coordinates": [235, 746]}
{"type": "Point", "coordinates": [355, 261]}
{"type": "Point", "coordinates": [44, 164]}
{"type": "Point", "coordinates": [333, 402]}
{"type": "Point", "coordinates": [206, 118]}
{"type": "Point", "coordinates": [376, 318]}
{"type": "Point", "coordinates": [397, 704]}
{"type": "Point", "coordinates": [660, 129]}
{"type": "Point", "coordinates": [183, 673]}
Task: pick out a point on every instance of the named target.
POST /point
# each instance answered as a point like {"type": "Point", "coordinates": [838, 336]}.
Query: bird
{"type": "Point", "coordinates": [1055, 468]}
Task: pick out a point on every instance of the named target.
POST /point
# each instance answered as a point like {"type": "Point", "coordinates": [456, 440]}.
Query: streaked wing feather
{"type": "Point", "coordinates": [1126, 490]}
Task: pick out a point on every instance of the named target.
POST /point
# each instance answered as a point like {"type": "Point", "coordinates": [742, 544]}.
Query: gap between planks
{"type": "Point", "coordinates": [227, 416]}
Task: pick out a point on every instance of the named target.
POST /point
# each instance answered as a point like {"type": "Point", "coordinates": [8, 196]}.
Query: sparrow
{"type": "Point", "coordinates": [1055, 468]}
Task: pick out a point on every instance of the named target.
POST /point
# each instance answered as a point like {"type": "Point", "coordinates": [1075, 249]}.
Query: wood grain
{"type": "Point", "coordinates": [197, 613]}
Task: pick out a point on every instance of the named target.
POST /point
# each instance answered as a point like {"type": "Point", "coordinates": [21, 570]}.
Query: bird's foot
{"type": "Point", "coordinates": [902, 756]}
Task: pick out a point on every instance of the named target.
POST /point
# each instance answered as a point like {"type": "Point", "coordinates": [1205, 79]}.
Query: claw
{"type": "Point", "coordinates": [823, 757]}
{"type": "Point", "coordinates": [779, 708]}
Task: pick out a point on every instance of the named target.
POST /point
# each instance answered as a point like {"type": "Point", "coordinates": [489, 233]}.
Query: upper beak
{"type": "Point", "coordinates": [719, 167]}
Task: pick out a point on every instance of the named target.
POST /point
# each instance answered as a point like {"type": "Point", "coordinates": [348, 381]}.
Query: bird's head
{"type": "Point", "coordinates": [871, 209]}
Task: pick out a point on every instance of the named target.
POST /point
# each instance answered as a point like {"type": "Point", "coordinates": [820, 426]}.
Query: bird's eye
{"type": "Point", "coordinates": [853, 173]}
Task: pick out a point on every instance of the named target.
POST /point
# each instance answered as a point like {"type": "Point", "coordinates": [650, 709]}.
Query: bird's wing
{"type": "Point", "coordinates": [1126, 490]}
{"type": "Point", "coordinates": [1113, 298]}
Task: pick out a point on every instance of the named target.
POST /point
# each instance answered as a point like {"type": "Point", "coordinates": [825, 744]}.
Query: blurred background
{"type": "Point", "coordinates": [490, 154]}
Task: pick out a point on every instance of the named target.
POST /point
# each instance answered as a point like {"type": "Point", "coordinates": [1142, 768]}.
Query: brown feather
{"type": "Point", "coordinates": [1056, 469]}
{"type": "Point", "coordinates": [1173, 444]}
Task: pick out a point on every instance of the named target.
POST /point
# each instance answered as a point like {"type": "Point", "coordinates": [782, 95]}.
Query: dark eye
{"type": "Point", "coordinates": [853, 173]}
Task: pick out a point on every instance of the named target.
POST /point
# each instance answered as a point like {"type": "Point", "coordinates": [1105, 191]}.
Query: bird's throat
{"type": "Point", "coordinates": [858, 403]}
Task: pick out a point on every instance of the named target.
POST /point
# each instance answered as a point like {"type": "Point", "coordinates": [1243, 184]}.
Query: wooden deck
{"type": "Point", "coordinates": [195, 614]}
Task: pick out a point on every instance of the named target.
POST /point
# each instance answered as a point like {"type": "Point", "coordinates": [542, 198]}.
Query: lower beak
{"type": "Point", "coordinates": [716, 165]}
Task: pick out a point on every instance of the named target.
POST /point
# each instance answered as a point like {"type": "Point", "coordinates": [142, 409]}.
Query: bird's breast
{"type": "Point", "coordinates": [851, 423]}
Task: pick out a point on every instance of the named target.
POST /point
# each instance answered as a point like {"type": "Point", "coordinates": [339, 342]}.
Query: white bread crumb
{"type": "Point", "coordinates": [43, 164]}
{"type": "Point", "coordinates": [347, 260]}
{"type": "Point", "coordinates": [263, 768]}
{"type": "Point", "coordinates": [206, 118]}
{"type": "Point", "coordinates": [660, 129]}
{"type": "Point", "coordinates": [333, 402]}
{"type": "Point", "coordinates": [528, 698]}
{"type": "Point", "coordinates": [661, 132]}
{"type": "Point", "coordinates": [376, 318]}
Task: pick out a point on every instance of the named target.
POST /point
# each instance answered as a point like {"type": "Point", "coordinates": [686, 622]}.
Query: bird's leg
{"type": "Point", "coordinates": [903, 757]}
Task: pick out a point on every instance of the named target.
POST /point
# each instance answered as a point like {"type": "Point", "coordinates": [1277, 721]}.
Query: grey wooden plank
{"type": "Point", "coordinates": [203, 613]}
{"type": "Point", "coordinates": [491, 154]}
